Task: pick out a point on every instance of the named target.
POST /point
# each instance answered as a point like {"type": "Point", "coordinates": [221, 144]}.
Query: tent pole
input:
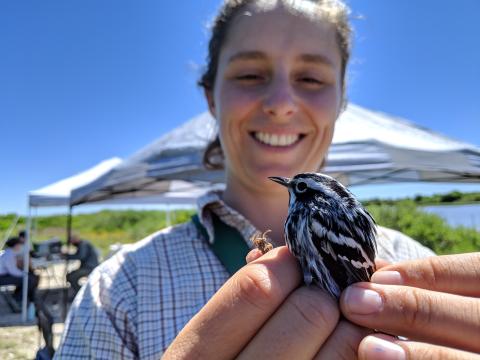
{"type": "Point", "coordinates": [65, 289]}
{"type": "Point", "coordinates": [26, 261]}
{"type": "Point", "coordinates": [33, 233]}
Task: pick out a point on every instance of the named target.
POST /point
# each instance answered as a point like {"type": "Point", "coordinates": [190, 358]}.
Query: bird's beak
{"type": "Point", "coordinates": [280, 180]}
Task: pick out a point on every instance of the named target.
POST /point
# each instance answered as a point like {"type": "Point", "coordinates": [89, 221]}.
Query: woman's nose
{"type": "Point", "coordinates": [279, 102]}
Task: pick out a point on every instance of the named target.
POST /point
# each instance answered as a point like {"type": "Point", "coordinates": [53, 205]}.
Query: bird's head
{"type": "Point", "coordinates": [319, 188]}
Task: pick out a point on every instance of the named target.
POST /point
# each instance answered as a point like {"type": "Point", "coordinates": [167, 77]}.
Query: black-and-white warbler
{"type": "Point", "coordinates": [329, 232]}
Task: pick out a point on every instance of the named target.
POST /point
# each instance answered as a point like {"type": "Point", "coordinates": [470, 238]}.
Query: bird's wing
{"type": "Point", "coordinates": [364, 227]}
{"type": "Point", "coordinates": [348, 259]}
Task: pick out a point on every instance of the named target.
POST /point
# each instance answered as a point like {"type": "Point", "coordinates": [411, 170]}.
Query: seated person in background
{"type": "Point", "coordinates": [22, 236]}
{"type": "Point", "coordinates": [87, 254]}
{"type": "Point", "coordinates": [10, 269]}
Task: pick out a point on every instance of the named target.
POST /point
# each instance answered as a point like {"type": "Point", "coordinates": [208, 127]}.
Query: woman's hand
{"type": "Point", "coordinates": [263, 312]}
{"type": "Point", "coordinates": [434, 302]}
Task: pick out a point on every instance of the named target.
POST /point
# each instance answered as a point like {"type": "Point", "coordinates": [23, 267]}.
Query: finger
{"type": "Point", "coordinates": [381, 347]}
{"type": "Point", "coordinates": [455, 274]}
{"type": "Point", "coordinates": [297, 329]}
{"type": "Point", "coordinates": [418, 314]}
{"type": "Point", "coordinates": [239, 309]}
{"type": "Point", "coordinates": [380, 263]}
{"type": "Point", "coordinates": [343, 342]}
{"type": "Point", "coordinates": [253, 255]}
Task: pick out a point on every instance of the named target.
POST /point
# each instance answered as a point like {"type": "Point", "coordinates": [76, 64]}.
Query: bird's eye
{"type": "Point", "coordinates": [301, 186]}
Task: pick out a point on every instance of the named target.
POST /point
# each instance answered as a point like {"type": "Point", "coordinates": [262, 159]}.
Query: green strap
{"type": "Point", "coordinates": [228, 244]}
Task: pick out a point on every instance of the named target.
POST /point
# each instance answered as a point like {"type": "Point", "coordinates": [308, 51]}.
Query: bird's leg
{"type": "Point", "coordinates": [261, 241]}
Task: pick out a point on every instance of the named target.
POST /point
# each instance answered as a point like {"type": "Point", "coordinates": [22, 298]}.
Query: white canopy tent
{"type": "Point", "coordinates": [58, 194]}
{"type": "Point", "coordinates": [153, 169]}
{"type": "Point", "coordinates": [368, 147]}
{"type": "Point", "coordinates": [374, 147]}
{"type": "Point", "coordinates": [171, 192]}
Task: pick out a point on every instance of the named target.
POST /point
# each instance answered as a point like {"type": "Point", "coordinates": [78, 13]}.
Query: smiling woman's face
{"type": "Point", "coordinates": [276, 95]}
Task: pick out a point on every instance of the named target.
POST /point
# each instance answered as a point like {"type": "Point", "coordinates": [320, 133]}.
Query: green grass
{"type": "Point", "coordinates": [429, 229]}
{"type": "Point", "coordinates": [451, 198]}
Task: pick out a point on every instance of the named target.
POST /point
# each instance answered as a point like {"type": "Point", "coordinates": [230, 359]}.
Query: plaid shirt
{"type": "Point", "coordinates": [134, 304]}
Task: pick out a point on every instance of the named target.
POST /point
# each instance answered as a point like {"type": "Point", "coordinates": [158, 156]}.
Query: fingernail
{"type": "Point", "coordinates": [362, 301]}
{"type": "Point", "coordinates": [377, 349]}
{"type": "Point", "coordinates": [387, 278]}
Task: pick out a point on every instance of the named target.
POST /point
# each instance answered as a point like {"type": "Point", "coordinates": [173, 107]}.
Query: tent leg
{"type": "Point", "coordinates": [33, 232]}
{"type": "Point", "coordinates": [65, 289]}
{"type": "Point", "coordinates": [26, 261]}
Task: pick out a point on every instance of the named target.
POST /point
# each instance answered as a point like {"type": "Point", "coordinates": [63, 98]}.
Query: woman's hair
{"type": "Point", "coordinates": [333, 11]}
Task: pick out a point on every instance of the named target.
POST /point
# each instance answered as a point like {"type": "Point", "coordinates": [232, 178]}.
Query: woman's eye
{"type": "Point", "coordinates": [311, 81]}
{"type": "Point", "coordinates": [249, 77]}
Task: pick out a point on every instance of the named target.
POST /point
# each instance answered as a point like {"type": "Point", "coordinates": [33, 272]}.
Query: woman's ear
{"type": "Point", "coordinates": [211, 104]}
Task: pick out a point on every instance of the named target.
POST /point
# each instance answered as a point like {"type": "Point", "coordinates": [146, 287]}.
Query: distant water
{"type": "Point", "coordinates": [456, 215]}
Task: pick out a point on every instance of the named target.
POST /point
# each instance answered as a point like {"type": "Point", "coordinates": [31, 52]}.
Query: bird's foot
{"type": "Point", "coordinates": [260, 240]}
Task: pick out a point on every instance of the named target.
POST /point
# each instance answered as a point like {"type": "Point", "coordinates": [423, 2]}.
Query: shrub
{"type": "Point", "coordinates": [429, 229]}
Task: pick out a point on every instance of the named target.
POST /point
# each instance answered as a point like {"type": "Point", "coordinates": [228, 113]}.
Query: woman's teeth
{"type": "Point", "coordinates": [276, 140]}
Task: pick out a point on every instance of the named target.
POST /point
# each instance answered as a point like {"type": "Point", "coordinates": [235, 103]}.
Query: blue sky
{"type": "Point", "coordinates": [81, 81]}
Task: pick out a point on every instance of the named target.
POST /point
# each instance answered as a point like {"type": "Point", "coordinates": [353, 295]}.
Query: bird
{"type": "Point", "coordinates": [328, 230]}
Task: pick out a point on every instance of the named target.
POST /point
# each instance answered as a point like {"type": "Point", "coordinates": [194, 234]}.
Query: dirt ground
{"type": "Point", "coordinates": [22, 342]}
{"type": "Point", "coordinates": [18, 342]}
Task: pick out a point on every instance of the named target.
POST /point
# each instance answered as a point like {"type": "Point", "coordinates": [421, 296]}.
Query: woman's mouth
{"type": "Point", "coordinates": [277, 140]}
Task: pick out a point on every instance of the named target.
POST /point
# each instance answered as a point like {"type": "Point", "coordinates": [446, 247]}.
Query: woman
{"type": "Point", "coordinates": [275, 84]}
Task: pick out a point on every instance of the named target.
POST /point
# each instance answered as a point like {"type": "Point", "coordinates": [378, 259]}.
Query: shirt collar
{"type": "Point", "coordinates": [212, 202]}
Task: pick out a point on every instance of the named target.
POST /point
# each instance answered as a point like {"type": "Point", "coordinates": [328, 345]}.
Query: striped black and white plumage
{"type": "Point", "coordinates": [329, 231]}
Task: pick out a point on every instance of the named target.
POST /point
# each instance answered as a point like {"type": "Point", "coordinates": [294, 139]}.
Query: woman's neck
{"type": "Point", "coordinates": [266, 210]}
